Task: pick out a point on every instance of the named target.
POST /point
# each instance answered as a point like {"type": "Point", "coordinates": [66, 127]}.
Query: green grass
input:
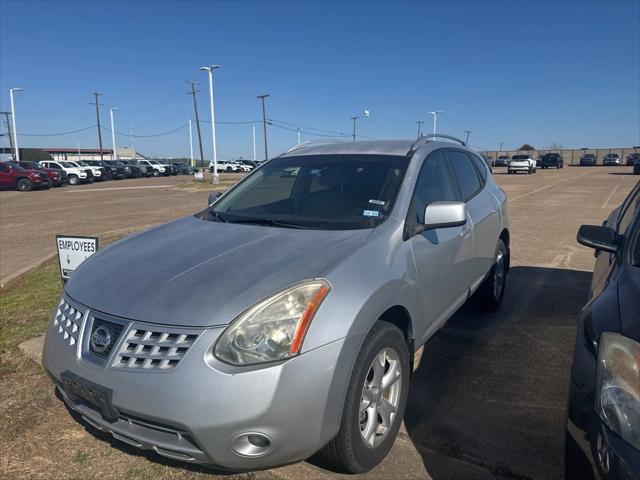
{"type": "Point", "coordinates": [27, 303]}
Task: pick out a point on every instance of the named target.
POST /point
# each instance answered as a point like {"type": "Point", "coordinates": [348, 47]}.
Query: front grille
{"type": "Point", "coordinates": [89, 173]}
{"type": "Point", "coordinates": [68, 322]}
{"type": "Point", "coordinates": [102, 345]}
{"type": "Point", "coordinates": [154, 349]}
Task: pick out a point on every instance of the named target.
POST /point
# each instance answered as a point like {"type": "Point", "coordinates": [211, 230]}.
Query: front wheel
{"type": "Point", "coordinates": [24, 185]}
{"type": "Point", "coordinates": [73, 180]}
{"type": "Point", "coordinates": [375, 402]}
{"type": "Point", "coordinates": [491, 291]}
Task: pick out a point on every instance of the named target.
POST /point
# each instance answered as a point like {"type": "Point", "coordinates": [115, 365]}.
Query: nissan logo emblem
{"type": "Point", "coordinates": [101, 339]}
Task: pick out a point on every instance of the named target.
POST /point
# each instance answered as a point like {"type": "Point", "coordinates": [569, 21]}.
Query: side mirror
{"type": "Point", "coordinates": [445, 215]}
{"type": "Point", "coordinates": [213, 196]}
{"type": "Point", "coordinates": [598, 237]}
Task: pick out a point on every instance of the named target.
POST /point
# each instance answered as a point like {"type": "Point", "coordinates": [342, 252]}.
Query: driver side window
{"type": "Point", "coordinates": [433, 185]}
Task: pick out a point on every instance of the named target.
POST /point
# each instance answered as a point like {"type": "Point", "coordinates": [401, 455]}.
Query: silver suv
{"type": "Point", "coordinates": [289, 323]}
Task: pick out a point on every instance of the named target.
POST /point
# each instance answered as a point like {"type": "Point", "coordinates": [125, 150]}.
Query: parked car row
{"type": "Point", "coordinates": [29, 175]}
{"type": "Point", "coordinates": [555, 160]}
{"type": "Point", "coordinates": [235, 166]}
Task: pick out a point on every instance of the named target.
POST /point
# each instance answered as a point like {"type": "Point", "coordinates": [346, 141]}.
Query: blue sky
{"type": "Point", "coordinates": [513, 72]}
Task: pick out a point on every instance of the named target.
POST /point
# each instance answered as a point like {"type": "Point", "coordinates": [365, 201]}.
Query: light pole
{"type": "Point", "coordinates": [366, 114]}
{"type": "Point", "coordinates": [354, 127]}
{"type": "Point", "coordinates": [13, 120]}
{"type": "Point", "coordinates": [435, 119]}
{"type": "Point", "coordinates": [299, 137]}
{"type": "Point", "coordinates": [114, 156]}
{"type": "Point", "coordinates": [191, 144]}
{"type": "Point", "coordinates": [264, 123]}
{"type": "Point", "coordinates": [419, 122]}
{"type": "Point", "coordinates": [210, 70]}
{"type": "Point", "coordinates": [253, 129]}
{"type": "Point", "coordinates": [501, 143]}
{"type": "Point", "coordinates": [468, 132]}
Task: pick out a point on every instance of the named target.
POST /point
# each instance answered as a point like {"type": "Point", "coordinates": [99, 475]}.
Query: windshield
{"type": "Point", "coordinates": [66, 165]}
{"type": "Point", "coordinates": [333, 192]}
{"type": "Point", "coordinates": [520, 157]}
{"type": "Point", "coordinates": [16, 167]}
{"type": "Point", "coordinates": [153, 162]}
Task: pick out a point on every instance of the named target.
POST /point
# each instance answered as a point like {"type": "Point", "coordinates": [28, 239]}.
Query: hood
{"type": "Point", "coordinates": [197, 273]}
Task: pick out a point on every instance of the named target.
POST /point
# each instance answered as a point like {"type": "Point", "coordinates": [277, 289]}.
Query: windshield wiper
{"type": "Point", "coordinates": [267, 221]}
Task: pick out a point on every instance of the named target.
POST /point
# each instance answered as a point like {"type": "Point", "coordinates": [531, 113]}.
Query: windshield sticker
{"type": "Point", "coordinates": [370, 213]}
{"type": "Point", "coordinates": [376, 202]}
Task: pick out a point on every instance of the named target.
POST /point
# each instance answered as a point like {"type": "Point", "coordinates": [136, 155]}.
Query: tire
{"type": "Point", "coordinates": [229, 170]}
{"type": "Point", "coordinates": [491, 292]}
{"type": "Point", "coordinates": [74, 180]}
{"type": "Point", "coordinates": [348, 451]}
{"type": "Point", "coordinates": [156, 173]}
{"type": "Point", "coordinates": [24, 185]}
{"type": "Point", "coordinates": [530, 172]}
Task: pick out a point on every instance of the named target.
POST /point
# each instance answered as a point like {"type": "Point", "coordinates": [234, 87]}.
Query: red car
{"type": "Point", "coordinates": [23, 179]}
{"type": "Point", "coordinates": [57, 177]}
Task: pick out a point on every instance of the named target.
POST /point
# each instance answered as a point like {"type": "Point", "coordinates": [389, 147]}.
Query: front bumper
{"type": "Point", "coordinates": [194, 411]}
{"type": "Point", "coordinates": [519, 167]}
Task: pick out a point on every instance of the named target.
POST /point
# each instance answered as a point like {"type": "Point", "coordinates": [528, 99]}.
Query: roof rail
{"type": "Point", "coordinates": [298, 146]}
{"type": "Point", "coordinates": [430, 136]}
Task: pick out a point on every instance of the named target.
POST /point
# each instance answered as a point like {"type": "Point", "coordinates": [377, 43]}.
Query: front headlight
{"type": "Point", "coordinates": [618, 386]}
{"type": "Point", "coordinates": [274, 328]}
{"type": "Point", "coordinates": [161, 169]}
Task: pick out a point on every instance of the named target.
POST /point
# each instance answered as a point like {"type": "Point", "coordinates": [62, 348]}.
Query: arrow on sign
{"type": "Point", "coordinates": [68, 259]}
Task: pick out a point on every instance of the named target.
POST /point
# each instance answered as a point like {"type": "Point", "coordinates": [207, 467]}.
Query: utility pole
{"type": "Point", "coordinates": [501, 143]}
{"type": "Point", "coordinates": [366, 114]}
{"type": "Point", "coordinates": [97, 104]}
{"type": "Point", "coordinates": [264, 123]}
{"type": "Point", "coordinates": [419, 122]}
{"type": "Point", "coordinates": [469, 132]}
{"type": "Point", "coordinates": [253, 129]}
{"type": "Point", "coordinates": [354, 127]}
{"type": "Point", "coordinates": [195, 109]}
{"type": "Point", "coordinates": [299, 137]}
{"type": "Point", "coordinates": [6, 116]}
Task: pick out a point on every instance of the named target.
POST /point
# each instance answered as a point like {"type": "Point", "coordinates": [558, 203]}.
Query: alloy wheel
{"type": "Point", "coordinates": [498, 275]}
{"type": "Point", "coordinates": [380, 397]}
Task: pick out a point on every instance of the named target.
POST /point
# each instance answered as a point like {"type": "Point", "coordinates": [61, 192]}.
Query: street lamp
{"type": "Point", "coordinates": [468, 132]}
{"type": "Point", "coordinates": [210, 70]}
{"type": "Point", "coordinates": [114, 155]}
{"type": "Point", "coordinates": [13, 120]}
{"type": "Point", "coordinates": [435, 119]}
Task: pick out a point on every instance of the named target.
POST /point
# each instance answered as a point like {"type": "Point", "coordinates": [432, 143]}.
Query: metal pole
{"type": "Point", "coordinates": [215, 178]}
{"type": "Point", "coordinates": [419, 122]}
{"type": "Point", "coordinates": [468, 133]}
{"type": "Point", "coordinates": [435, 119]}
{"type": "Point", "coordinates": [13, 153]}
{"type": "Point", "coordinates": [299, 136]}
{"type": "Point", "coordinates": [191, 143]}
{"type": "Point", "coordinates": [78, 151]}
{"type": "Point", "coordinates": [97, 104]}
{"type": "Point", "coordinates": [501, 143]}
{"type": "Point", "coordinates": [13, 120]}
{"type": "Point", "coordinates": [354, 127]}
{"type": "Point", "coordinates": [264, 123]}
{"type": "Point", "coordinates": [253, 128]}
{"type": "Point", "coordinates": [114, 155]}
{"type": "Point", "coordinates": [195, 108]}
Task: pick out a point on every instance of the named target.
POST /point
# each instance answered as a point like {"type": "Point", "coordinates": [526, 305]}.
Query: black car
{"type": "Point", "coordinates": [551, 160]}
{"type": "Point", "coordinates": [588, 160]}
{"type": "Point", "coordinates": [183, 168]}
{"type": "Point", "coordinates": [632, 158]}
{"type": "Point", "coordinates": [131, 169]}
{"type": "Point", "coordinates": [636, 167]}
{"type": "Point", "coordinates": [114, 171]}
{"type": "Point", "coordinates": [603, 425]}
{"type": "Point", "coordinates": [611, 160]}
{"type": "Point", "coordinates": [502, 161]}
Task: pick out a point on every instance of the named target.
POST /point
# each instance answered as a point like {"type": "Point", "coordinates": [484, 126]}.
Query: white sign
{"type": "Point", "coordinates": [72, 251]}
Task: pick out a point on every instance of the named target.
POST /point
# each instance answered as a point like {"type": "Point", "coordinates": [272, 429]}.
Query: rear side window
{"type": "Point", "coordinates": [481, 165]}
{"type": "Point", "coordinates": [433, 185]}
{"type": "Point", "coordinates": [465, 173]}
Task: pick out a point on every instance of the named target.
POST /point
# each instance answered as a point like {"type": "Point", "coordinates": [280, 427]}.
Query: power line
{"type": "Point", "coordinates": [56, 134]}
{"type": "Point", "coordinates": [148, 136]}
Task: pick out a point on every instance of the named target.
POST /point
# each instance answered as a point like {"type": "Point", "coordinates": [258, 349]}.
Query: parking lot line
{"type": "Point", "coordinates": [613, 192]}
{"type": "Point", "coordinates": [538, 190]}
{"type": "Point", "coordinates": [116, 188]}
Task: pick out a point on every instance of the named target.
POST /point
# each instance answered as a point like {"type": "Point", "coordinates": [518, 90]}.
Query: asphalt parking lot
{"type": "Point", "coordinates": [489, 391]}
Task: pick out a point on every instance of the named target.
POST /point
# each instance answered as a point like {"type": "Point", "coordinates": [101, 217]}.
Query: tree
{"type": "Point", "coordinates": [555, 146]}
{"type": "Point", "coordinates": [34, 155]}
{"type": "Point", "coordinates": [527, 148]}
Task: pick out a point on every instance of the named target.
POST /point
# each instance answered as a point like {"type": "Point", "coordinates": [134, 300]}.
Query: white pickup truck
{"type": "Point", "coordinates": [230, 166]}
{"type": "Point", "coordinates": [99, 173]}
{"type": "Point", "coordinates": [75, 174]}
{"type": "Point", "coordinates": [522, 163]}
